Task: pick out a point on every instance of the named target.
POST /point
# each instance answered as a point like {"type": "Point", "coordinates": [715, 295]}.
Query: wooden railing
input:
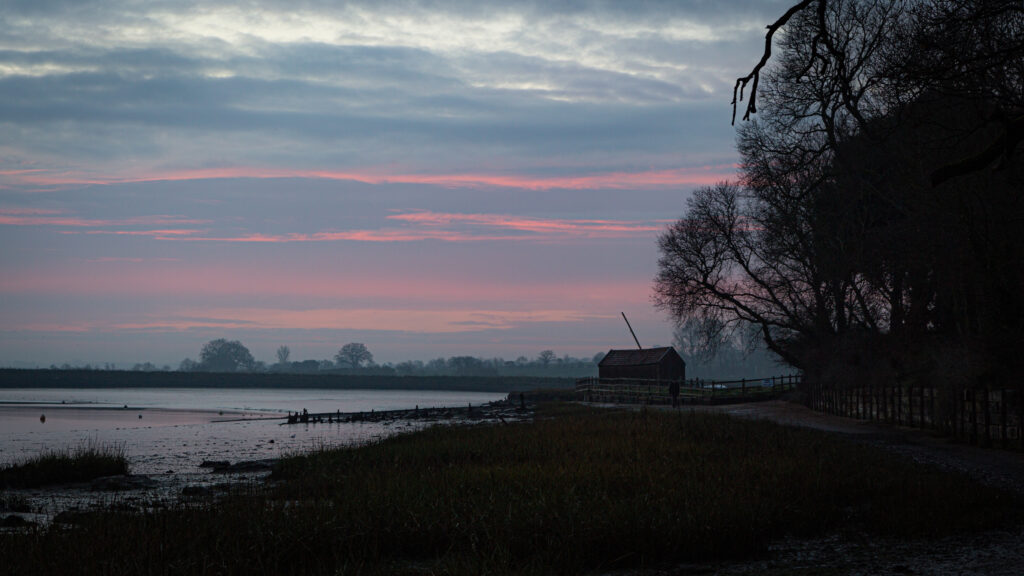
{"type": "Point", "coordinates": [694, 391]}
{"type": "Point", "coordinates": [987, 416]}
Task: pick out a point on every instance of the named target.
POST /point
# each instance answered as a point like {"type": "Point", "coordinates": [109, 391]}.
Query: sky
{"type": "Point", "coordinates": [429, 178]}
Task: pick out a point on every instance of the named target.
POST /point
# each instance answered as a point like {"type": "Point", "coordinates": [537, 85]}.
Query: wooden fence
{"type": "Point", "coordinates": [985, 416]}
{"type": "Point", "coordinates": [693, 391]}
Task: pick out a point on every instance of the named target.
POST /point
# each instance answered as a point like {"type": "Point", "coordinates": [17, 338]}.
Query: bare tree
{"type": "Point", "coordinates": [283, 353]}
{"type": "Point", "coordinates": [874, 216]}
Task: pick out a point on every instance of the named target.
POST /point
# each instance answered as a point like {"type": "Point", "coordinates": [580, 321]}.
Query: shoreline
{"type": "Point", "coordinates": [494, 475]}
{"type": "Point", "coordinates": [496, 410]}
{"type": "Point", "coordinates": [212, 473]}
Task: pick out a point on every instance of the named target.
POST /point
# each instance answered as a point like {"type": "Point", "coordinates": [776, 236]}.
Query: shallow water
{"type": "Point", "coordinates": [171, 431]}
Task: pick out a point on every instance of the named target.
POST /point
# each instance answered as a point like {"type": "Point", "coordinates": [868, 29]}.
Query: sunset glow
{"type": "Point", "coordinates": [429, 180]}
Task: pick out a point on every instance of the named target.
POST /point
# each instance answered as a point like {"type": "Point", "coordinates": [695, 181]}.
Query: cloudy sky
{"type": "Point", "coordinates": [430, 178]}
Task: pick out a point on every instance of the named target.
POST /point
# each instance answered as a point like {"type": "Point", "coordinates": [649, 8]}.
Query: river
{"type": "Point", "coordinates": [173, 430]}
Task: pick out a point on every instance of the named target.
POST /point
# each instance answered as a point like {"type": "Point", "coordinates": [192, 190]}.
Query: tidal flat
{"type": "Point", "coordinates": [574, 491]}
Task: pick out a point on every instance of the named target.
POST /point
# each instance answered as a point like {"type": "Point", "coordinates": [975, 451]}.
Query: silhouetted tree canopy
{"type": "Point", "coordinates": [353, 354]}
{"type": "Point", "coordinates": [222, 355]}
{"type": "Point", "coordinates": [873, 232]}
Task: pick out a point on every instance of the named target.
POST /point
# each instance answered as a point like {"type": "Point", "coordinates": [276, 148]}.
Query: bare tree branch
{"type": "Point", "coordinates": [755, 74]}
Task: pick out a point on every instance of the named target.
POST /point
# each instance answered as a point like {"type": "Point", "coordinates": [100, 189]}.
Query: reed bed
{"type": "Point", "coordinates": [577, 491]}
{"type": "Point", "coordinates": [87, 461]}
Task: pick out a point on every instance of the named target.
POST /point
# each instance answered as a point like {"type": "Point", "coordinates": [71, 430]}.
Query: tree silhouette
{"type": "Point", "coordinates": [222, 355]}
{"type": "Point", "coordinates": [353, 354]}
{"type": "Point", "coordinates": [283, 353]}
{"type": "Point", "coordinates": [873, 234]}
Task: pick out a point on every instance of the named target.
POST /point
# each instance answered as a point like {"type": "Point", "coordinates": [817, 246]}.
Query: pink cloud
{"type": "Point", "coordinates": [583, 227]}
{"type": "Point", "coordinates": [428, 321]}
{"type": "Point", "coordinates": [445, 321]}
{"type": "Point", "coordinates": [50, 327]}
{"type": "Point", "coordinates": [110, 259]}
{"type": "Point", "coordinates": [437, 226]}
{"type": "Point", "coordinates": [382, 235]}
{"type": "Point", "coordinates": [27, 211]}
{"type": "Point", "coordinates": [619, 180]}
{"type": "Point", "coordinates": [165, 234]}
{"type": "Point", "coordinates": [180, 281]}
{"type": "Point", "coordinates": [21, 172]}
{"type": "Point", "coordinates": [12, 217]}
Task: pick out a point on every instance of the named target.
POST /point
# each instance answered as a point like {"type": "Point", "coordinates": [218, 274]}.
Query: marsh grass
{"type": "Point", "coordinates": [577, 491]}
{"type": "Point", "coordinates": [87, 461]}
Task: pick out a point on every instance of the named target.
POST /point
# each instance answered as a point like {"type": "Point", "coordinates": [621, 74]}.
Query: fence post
{"type": "Point", "coordinates": [890, 412]}
{"type": "Point", "coordinates": [909, 405]}
{"type": "Point", "coordinates": [924, 409]}
{"type": "Point", "coordinates": [986, 406]}
{"type": "Point", "coordinates": [1020, 415]}
{"type": "Point", "coordinates": [1004, 440]}
{"type": "Point", "coordinates": [893, 393]}
{"type": "Point", "coordinates": [963, 414]}
{"type": "Point", "coordinates": [974, 417]}
{"type": "Point", "coordinates": [899, 403]}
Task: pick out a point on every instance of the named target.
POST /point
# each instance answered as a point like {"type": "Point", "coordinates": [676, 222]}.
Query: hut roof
{"type": "Point", "coordinates": [635, 357]}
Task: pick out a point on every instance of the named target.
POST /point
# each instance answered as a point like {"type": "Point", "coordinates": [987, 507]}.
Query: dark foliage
{"type": "Point", "coordinates": [874, 232]}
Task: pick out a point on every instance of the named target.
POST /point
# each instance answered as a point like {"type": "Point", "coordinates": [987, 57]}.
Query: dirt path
{"type": "Point", "coordinates": [990, 466]}
{"type": "Point", "coordinates": [991, 553]}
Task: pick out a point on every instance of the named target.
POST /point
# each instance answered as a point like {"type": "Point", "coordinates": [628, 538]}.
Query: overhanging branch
{"type": "Point", "coordinates": [755, 74]}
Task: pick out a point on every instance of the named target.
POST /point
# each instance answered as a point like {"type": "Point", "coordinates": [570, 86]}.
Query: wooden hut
{"type": "Point", "coordinates": [651, 364]}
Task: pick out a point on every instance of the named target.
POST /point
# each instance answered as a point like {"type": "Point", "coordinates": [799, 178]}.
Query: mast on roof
{"type": "Point", "coordinates": [639, 347]}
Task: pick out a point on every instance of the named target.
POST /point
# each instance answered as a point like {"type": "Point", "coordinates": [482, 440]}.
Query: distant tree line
{"type": "Point", "coordinates": [222, 355]}
{"type": "Point", "coordinates": [874, 232]}
{"type": "Point", "coordinates": [726, 360]}
{"type": "Point", "coordinates": [137, 367]}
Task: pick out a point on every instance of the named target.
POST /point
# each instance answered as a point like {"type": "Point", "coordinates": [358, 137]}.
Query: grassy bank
{"type": "Point", "coordinates": [80, 464]}
{"type": "Point", "coordinates": [577, 491]}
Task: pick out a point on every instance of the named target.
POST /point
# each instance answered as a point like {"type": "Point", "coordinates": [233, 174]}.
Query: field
{"type": "Point", "coordinates": [576, 491]}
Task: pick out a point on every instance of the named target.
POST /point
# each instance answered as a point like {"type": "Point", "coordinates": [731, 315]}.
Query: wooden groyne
{"type": "Point", "coordinates": [504, 410]}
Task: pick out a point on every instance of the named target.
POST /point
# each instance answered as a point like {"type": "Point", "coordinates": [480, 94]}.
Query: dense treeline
{"type": "Point", "coordinates": [355, 359]}
{"type": "Point", "coordinates": [873, 234]}
{"type": "Point", "coordinates": [12, 378]}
